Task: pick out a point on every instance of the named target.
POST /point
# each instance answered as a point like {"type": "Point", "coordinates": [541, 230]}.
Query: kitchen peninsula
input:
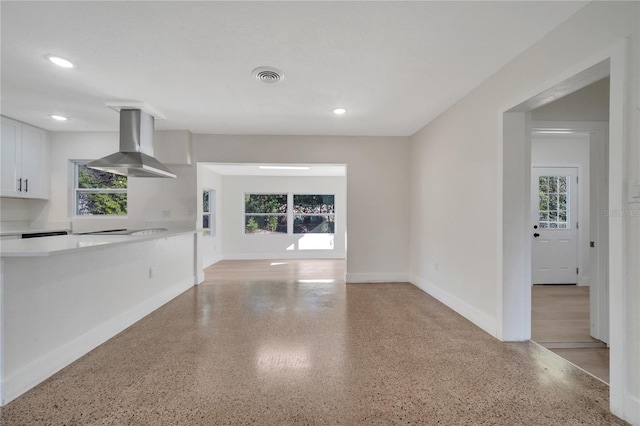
{"type": "Point", "coordinates": [64, 295]}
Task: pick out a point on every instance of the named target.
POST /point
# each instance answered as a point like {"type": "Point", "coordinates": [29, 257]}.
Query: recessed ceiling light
{"type": "Point", "coordinates": [58, 117]}
{"type": "Point", "coordinates": [61, 62]}
{"type": "Point", "coordinates": [284, 167]}
{"type": "Point", "coordinates": [339, 111]}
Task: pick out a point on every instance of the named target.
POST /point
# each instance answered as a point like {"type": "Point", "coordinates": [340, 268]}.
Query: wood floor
{"type": "Point", "coordinates": [560, 322]}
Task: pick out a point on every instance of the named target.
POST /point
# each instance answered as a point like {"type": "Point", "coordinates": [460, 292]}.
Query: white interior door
{"type": "Point", "coordinates": [554, 201]}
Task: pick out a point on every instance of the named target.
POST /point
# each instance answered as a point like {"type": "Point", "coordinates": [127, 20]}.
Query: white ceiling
{"type": "Point", "coordinates": [394, 65]}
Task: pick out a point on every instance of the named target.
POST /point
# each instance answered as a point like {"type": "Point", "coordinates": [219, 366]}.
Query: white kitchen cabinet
{"type": "Point", "coordinates": [25, 157]}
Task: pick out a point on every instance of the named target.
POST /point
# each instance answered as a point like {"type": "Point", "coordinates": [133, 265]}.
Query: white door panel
{"type": "Point", "coordinates": [554, 230]}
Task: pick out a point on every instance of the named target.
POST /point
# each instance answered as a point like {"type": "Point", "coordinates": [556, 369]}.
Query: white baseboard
{"type": "Point", "coordinates": [482, 320]}
{"type": "Point", "coordinates": [632, 409]}
{"type": "Point", "coordinates": [31, 375]}
{"type": "Point", "coordinates": [382, 277]}
{"type": "Point", "coordinates": [305, 254]}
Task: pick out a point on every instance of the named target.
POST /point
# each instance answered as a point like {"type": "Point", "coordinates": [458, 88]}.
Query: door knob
{"type": "Point", "coordinates": [536, 235]}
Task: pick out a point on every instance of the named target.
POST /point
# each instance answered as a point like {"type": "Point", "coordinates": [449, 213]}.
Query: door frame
{"type": "Point", "coordinates": [513, 243]}
{"type": "Point", "coordinates": [599, 261]}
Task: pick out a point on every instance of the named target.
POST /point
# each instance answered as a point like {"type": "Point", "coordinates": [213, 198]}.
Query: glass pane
{"type": "Point", "coordinates": [544, 201]}
{"type": "Point", "coordinates": [205, 221]}
{"type": "Point", "coordinates": [543, 184]}
{"type": "Point", "coordinates": [91, 178]}
{"type": "Point", "coordinates": [562, 184]}
{"type": "Point", "coordinates": [554, 202]}
{"type": "Point", "coordinates": [88, 203]}
{"type": "Point", "coordinates": [276, 224]}
{"type": "Point", "coordinates": [321, 224]}
{"type": "Point", "coordinates": [265, 203]}
{"type": "Point", "coordinates": [205, 201]}
{"type": "Point", "coordinates": [314, 204]}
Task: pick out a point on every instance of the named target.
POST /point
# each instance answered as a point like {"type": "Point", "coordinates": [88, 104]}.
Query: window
{"type": "Point", "coordinates": [272, 214]}
{"type": "Point", "coordinates": [554, 196]}
{"type": "Point", "coordinates": [98, 193]}
{"type": "Point", "coordinates": [265, 213]}
{"type": "Point", "coordinates": [314, 214]}
{"type": "Point", "coordinates": [209, 212]}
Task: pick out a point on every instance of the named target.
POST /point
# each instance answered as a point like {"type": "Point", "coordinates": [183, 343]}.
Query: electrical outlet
{"type": "Point", "coordinates": [151, 272]}
{"type": "Point", "coordinates": [436, 266]}
{"type": "Point", "coordinates": [166, 213]}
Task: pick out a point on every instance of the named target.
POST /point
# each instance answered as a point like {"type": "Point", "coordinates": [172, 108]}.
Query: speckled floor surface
{"type": "Point", "coordinates": [315, 351]}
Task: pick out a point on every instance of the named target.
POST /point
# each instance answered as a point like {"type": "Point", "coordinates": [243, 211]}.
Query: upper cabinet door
{"type": "Point", "coordinates": [11, 134]}
{"type": "Point", "coordinates": [25, 161]}
{"type": "Point", "coordinates": [35, 170]}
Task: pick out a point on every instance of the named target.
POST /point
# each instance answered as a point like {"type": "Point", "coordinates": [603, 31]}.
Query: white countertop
{"type": "Point", "coordinates": [62, 244]}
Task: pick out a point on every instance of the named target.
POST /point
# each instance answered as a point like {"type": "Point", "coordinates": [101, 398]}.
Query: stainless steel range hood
{"type": "Point", "coordinates": [135, 157]}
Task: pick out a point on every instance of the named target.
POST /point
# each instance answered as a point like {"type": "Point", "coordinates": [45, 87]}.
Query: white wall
{"type": "Point", "coordinates": [210, 246]}
{"type": "Point", "coordinates": [570, 150]}
{"type": "Point", "coordinates": [238, 245]}
{"type": "Point", "coordinates": [17, 210]}
{"type": "Point", "coordinates": [150, 201]}
{"type": "Point", "coordinates": [590, 103]}
{"type": "Point", "coordinates": [377, 174]}
{"type": "Point", "coordinates": [456, 177]}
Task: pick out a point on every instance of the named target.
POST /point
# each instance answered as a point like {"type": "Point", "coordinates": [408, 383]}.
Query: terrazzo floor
{"type": "Point", "coordinates": [303, 348]}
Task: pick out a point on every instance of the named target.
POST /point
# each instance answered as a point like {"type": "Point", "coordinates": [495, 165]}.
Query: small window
{"type": "Point", "coordinates": [314, 214]}
{"type": "Point", "coordinates": [208, 212]}
{"type": "Point", "coordinates": [554, 193]}
{"type": "Point", "coordinates": [265, 213]}
{"type": "Point", "coordinates": [98, 193]}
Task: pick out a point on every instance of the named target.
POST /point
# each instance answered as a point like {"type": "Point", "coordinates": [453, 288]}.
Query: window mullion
{"type": "Point", "coordinates": [289, 213]}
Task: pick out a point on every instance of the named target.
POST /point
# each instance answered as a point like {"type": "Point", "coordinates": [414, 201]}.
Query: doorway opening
{"type": "Point", "coordinates": [272, 211]}
{"type": "Point", "coordinates": [569, 192]}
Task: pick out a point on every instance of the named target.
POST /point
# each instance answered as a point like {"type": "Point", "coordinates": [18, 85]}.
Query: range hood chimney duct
{"type": "Point", "coordinates": [135, 157]}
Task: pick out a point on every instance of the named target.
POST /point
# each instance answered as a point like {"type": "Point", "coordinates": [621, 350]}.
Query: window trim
{"type": "Point", "coordinates": [245, 214]}
{"type": "Point", "coordinates": [293, 194]}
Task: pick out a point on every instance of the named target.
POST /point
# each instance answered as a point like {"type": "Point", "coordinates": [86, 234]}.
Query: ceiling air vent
{"type": "Point", "coordinates": [268, 75]}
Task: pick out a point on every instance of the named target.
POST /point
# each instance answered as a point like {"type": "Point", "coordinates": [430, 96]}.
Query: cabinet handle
{"type": "Point", "coordinates": [26, 185]}
{"type": "Point", "coordinates": [20, 185]}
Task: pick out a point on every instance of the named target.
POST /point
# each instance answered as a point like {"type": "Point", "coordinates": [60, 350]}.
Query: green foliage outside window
{"type": "Point", "coordinates": [100, 193]}
{"type": "Point", "coordinates": [265, 213]}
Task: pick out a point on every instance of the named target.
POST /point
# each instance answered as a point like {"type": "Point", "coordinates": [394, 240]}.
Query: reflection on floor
{"type": "Point", "coordinates": [289, 343]}
{"type": "Point", "coordinates": [560, 322]}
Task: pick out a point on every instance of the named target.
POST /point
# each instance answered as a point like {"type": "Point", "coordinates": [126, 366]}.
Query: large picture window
{"type": "Point", "coordinates": [289, 213]}
{"type": "Point", "coordinates": [265, 213]}
{"type": "Point", "coordinates": [314, 214]}
{"type": "Point", "coordinates": [98, 193]}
